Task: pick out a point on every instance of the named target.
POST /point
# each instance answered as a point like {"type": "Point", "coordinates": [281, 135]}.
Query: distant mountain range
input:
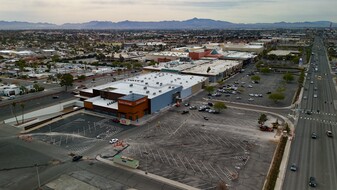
{"type": "Point", "coordinates": [194, 23]}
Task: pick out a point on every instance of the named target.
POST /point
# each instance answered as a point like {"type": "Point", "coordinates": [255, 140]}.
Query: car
{"type": "Point", "coordinates": [313, 135]}
{"type": "Point", "coordinates": [187, 104]}
{"type": "Point", "coordinates": [250, 86]}
{"type": "Point", "coordinates": [308, 112]}
{"type": "Point", "coordinates": [205, 118]}
{"type": "Point", "coordinates": [12, 97]}
{"type": "Point", "coordinates": [268, 92]}
{"type": "Point", "coordinates": [293, 167]}
{"type": "Point", "coordinates": [329, 133]}
{"type": "Point", "coordinates": [315, 88]}
{"type": "Point", "coordinates": [211, 111]}
{"type": "Point", "coordinates": [185, 112]}
{"type": "Point", "coordinates": [311, 82]}
{"type": "Point", "coordinates": [260, 95]}
{"type": "Point", "coordinates": [210, 103]}
{"type": "Point", "coordinates": [256, 95]}
{"type": "Point", "coordinates": [115, 120]}
{"type": "Point", "coordinates": [77, 158]}
{"type": "Point", "coordinates": [55, 97]}
{"type": "Point", "coordinates": [238, 98]}
{"type": "Point", "coordinates": [312, 182]}
{"type": "Point", "coordinates": [252, 95]}
{"type": "Point", "coordinates": [315, 95]}
{"type": "Point", "coordinates": [113, 141]}
{"type": "Point", "coordinates": [193, 107]}
{"type": "Point", "coordinates": [305, 97]}
{"type": "Point", "coordinates": [250, 99]}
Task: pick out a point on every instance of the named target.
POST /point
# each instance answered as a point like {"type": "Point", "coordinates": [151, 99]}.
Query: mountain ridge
{"type": "Point", "coordinates": [194, 23]}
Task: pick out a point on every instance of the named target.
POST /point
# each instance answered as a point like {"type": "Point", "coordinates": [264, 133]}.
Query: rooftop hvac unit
{"type": "Point", "coordinates": [181, 83]}
{"type": "Point", "coordinates": [145, 87]}
{"type": "Point", "coordinates": [131, 85]}
{"type": "Point", "coordinates": [141, 81]}
{"type": "Point", "coordinates": [130, 91]}
{"type": "Point", "coordinates": [169, 86]}
{"type": "Point", "coordinates": [154, 93]}
{"type": "Point", "coordinates": [157, 82]}
{"type": "Point", "coordinates": [159, 91]}
{"type": "Point", "coordinates": [172, 87]}
{"type": "Point", "coordinates": [161, 84]}
{"type": "Point", "coordinates": [146, 83]}
{"type": "Point", "coordinates": [147, 92]}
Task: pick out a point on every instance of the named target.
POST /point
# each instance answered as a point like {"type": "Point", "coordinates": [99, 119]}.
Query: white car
{"type": "Point", "coordinates": [250, 99]}
{"type": "Point", "coordinates": [304, 97]}
{"type": "Point", "coordinates": [315, 95]}
{"type": "Point", "coordinates": [250, 86]}
{"type": "Point", "coordinates": [252, 95]}
{"type": "Point", "coordinates": [113, 141]}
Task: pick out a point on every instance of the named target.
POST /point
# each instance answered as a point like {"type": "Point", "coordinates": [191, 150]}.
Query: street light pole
{"type": "Point", "coordinates": [38, 176]}
{"type": "Point", "coordinates": [146, 153]}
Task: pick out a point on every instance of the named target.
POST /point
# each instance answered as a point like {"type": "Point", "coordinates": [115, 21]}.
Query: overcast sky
{"type": "Point", "coordinates": [238, 11]}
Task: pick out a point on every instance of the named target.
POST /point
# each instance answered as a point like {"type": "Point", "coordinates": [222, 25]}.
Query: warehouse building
{"type": "Point", "coordinates": [135, 97]}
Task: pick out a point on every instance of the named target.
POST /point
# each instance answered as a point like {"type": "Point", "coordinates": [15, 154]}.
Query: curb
{"type": "Point", "coordinates": [148, 175]}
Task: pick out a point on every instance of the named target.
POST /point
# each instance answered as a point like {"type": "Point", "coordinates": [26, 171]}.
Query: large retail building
{"type": "Point", "coordinates": [135, 97]}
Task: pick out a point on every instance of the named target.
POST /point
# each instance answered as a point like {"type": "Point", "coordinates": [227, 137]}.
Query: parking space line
{"type": "Point", "coordinates": [207, 169]}
{"type": "Point", "coordinates": [153, 155]}
{"type": "Point", "coordinates": [166, 157]}
{"type": "Point", "coordinates": [223, 141]}
{"type": "Point", "coordinates": [189, 163]}
{"type": "Point", "coordinates": [198, 166]}
{"type": "Point", "coordinates": [174, 160]}
{"type": "Point", "coordinates": [160, 156]}
{"type": "Point", "coordinates": [182, 162]}
{"type": "Point", "coordinates": [215, 172]}
{"type": "Point", "coordinates": [227, 175]}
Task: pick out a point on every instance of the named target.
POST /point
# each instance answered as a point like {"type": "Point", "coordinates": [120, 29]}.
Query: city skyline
{"type": "Point", "coordinates": [77, 11]}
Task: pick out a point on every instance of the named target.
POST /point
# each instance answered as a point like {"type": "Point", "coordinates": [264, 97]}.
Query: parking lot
{"type": "Point", "coordinates": [251, 92]}
{"type": "Point", "coordinates": [201, 153]}
{"type": "Point", "coordinates": [79, 132]}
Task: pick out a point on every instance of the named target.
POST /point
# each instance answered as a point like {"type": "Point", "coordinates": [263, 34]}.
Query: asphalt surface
{"type": "Point", "coordinates": [315, 157]}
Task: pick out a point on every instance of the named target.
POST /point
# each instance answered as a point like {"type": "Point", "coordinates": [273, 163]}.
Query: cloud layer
{"type": "Point", "coordinates": [240, 11]}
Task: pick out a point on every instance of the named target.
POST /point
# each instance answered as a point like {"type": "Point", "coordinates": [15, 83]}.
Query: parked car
{"type": "Point", "coordinates": [315, 95]}
{"type": "Point", "coordinates": [193, 107]}
{"type": "Point", "coordinates": [312, 182]}
{"type": "Point", "coordinates": [115, 120]}
{"type": "Point", "coordinates": [185, 112]}
{"type": "Point", "coordinates": [187, 104]}
{"type": "Point", "coordinates": [293, 167]}
{"type": "Point", "coordinates": [113, 141]}
{"type": "Point", "coordinates": [77, 158]}
{"type": "Point", "coordinates": [210, 103]}
{"type": "Point", "coordinates": [238, 98]}
{"type": "Point", "coordinates": [313, 135]}
{"type": "Point", "coordinates": [55, 97]}
{"type": "Point", "coordinates": [205, 118]}
{"type": "Point", "coordinates": [329, 133]}
{"type": "Point", "coordinates": [250, 86]}
{"type": "Point", "coordinates": [251, 99]}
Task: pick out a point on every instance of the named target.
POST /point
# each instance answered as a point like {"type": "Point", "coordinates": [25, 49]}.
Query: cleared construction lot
{"type": "Point", "coordinates": [228, 147]}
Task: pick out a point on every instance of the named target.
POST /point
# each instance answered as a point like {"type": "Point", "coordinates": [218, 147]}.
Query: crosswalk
{"type": "Point", "coordinates": [319, 113]}
{"type": "Point", "coordinates": [324, 121]}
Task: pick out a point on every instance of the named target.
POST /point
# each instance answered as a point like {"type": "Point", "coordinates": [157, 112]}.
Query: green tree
{"type": "Point", "coordinates": [262, 119]}
{"type": "Point", "coordinates": [67, 80]}
{"type": "Point", "coordinates": [296, 60]}
{"type": "Point", "coordinates": [255, 78]}
{"type": "Point", "coordinates": [288, 77]}
{"type": "Point", "coordinates": [219, 106]}
{"type": "Point", "coordinates": [265, 70]}
{"type": "Point", "coordinates": [210, 89]}
{"type": "Point", "coordinates": [21, 64]}
{"type": "Point", "coordinates": [259, 64]}
{"type": "Point", "coordinates": [277, 96]}
{"type": "Point", "coordinates": [81, 77]}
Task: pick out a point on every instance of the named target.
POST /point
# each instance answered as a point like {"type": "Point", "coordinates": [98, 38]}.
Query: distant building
{"type": "Point", "coordinates": [257, 48]}
{"type": "Point", "coordinates": [165, 56]}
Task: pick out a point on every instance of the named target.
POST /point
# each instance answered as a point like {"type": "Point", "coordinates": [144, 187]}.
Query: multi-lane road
{"type": "Point", "coordinates": [315, 157]}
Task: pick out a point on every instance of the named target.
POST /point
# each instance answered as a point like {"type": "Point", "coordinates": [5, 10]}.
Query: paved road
{"type": "Point", "coordinates": [315, 157]}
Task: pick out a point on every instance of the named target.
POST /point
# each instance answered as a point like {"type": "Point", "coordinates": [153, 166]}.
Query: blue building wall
{"type": "Point", "coordinates": [163, 100]}
{"type": "Point", "coordinates": [186, 93]}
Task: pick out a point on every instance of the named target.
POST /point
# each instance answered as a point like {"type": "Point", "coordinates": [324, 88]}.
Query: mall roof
{"type": "Point", "coordinates": [170, 54]}
{"type": "Point", "coordinates": [151, 84]}
{"type": "Point", "coordinates": [176, 65]}
{"type": "Point", "coordinates": [216, 66]}
{"type": "Point", "coordinates": [132, 97]}
{"type": "Point", "coordinates": [283, 52]}
{"type": "Point", "coordinates": [238, 55]}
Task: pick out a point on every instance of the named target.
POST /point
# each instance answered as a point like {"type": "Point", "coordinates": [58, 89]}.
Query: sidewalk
{"type": "Point", "coordinates": [148, 175]}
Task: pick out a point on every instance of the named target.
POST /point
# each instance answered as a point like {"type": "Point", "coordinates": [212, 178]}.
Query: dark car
{"type": "Point", "coordinates": [185, 112]}
{"type": "Point", "coordinates": [77, 158]}
{"type": "Point", "coordinates": [308, 112]}
{"type": "Point", "coordinates": [187, 104]}
{"type": "Point", "coordinates": [210, 103]}
{"type": "Point", "coordinates": [313, 135]}
{"type": "Point", "coordinates": [312, 182]}
{"type": "Point", "coordinates": [268, 92]}
{"type": "Point", "coordinates": [55, 97]}
{"type": "Point", "coordinates": [205, 118]}
{"type": "Point", "coordinates": [293, 167]}
{"type": "Point", "coordinates": [115, 120]}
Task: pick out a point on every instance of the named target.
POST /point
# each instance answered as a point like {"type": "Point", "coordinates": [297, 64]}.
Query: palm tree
{"type": "Point", "coordinates": [22, 105]}
{"type": "Point", "coordinates": [14, 112]}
